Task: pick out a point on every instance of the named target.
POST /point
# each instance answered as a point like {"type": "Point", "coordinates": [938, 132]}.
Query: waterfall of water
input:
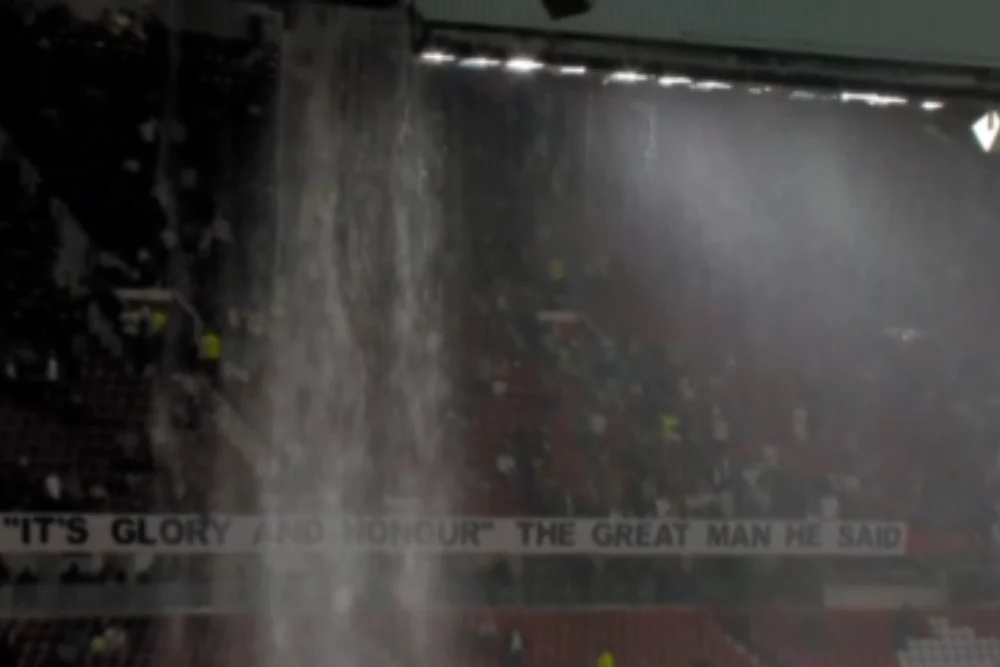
{"type": "Point", "coordinates": [356, 379]}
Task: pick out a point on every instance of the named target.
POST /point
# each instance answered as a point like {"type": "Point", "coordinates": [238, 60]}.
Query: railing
{"type": "Point", "coordinates": [316, 597]}
{"type": "Point", "coordinates": [135, 600]}
{"type": "Point", "coordinates": [316, 592]}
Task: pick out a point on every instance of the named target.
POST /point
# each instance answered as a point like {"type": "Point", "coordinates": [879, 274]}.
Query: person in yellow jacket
{"type": "Point", "coordinates": [210, 352]}
{"type": "Point", "coordinates": [606, 659]}
{"type": "Point", "coordinates": [154, 342]}
{"type": "Point", "coordinates": [159, 322]}
{"type": "Point", "coordinates": [670, 427]}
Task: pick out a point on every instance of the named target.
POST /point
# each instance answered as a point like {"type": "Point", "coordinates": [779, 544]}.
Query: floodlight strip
{"type": "Point", "coordinates": [824, 77]}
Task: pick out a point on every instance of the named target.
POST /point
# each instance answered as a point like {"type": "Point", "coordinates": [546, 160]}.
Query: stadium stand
{"type": "Point", "coordinates": [118, 230]}
{"type": "Point", "coordinates": [71, 106]}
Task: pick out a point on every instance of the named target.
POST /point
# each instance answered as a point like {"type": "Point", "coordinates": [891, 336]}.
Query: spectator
{"type": "Point", "coordinates": [515, 649]}
{"type": "Point", "coordinates": [211, 354]}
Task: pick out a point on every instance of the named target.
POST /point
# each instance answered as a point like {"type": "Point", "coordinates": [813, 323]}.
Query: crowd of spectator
{"type": "Point", "coordinates": [590, 380]}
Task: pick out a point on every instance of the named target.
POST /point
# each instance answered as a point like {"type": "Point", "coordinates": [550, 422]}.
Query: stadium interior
{"type": "Point", "coordinates": [315, 351]}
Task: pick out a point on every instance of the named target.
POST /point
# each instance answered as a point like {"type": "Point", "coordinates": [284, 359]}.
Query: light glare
{"type": "Point", "coordinates": [627, 76]}
{"type": "Point", "coordinates": [712, 85]}
{"type": "Point", "coordinates": [436, 57]}
{"type": "Point", "coordinates": [873, 99]}
{"type": "Point", "coordinates": [479, 62]}
{"type": "Point", "coordinates": [523, 65]}
{"type": "Point", "coordinates": [986, 130]}
{"type": "Point", "coordinates": [668, 81]}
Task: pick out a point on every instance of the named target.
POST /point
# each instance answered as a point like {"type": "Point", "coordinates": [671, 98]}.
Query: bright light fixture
{"type": "Point", "coordinates": [711, 85]}
{"type": "Point", "coordinates": [523, 65]}
{"type": "Point", "coordinates": [668, 81]}
{"type": "Point", "coordinates": [628, 76]}
{"type": "Point", "coordinates": [436, 57]}
{"type": "Point", "coordinates": [479, 62]}
{"type": "Point", "coordinates": [873, 99]}
{"type": "Point", "coordinates": [986, 130]}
